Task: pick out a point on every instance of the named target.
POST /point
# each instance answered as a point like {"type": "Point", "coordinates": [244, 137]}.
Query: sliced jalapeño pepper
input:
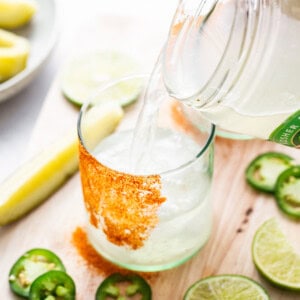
{"type": "Point", "coordinates": [264, 170]}
{"type": "Point", "coordinates": [109, 288]}
{"type": "Point", "coordinates": [53, 285]}
{"type": "Point", "coordinates": [29, 266]}
{"type": "Point", "coordinates": [287, 191]}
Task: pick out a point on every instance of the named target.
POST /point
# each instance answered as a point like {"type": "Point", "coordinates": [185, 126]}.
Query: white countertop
{"type": "Point", "coordinates": [18, 115]}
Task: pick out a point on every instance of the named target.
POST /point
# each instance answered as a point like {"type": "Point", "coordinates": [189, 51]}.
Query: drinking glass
{"type": "Point", "coordinates": [147, 189]}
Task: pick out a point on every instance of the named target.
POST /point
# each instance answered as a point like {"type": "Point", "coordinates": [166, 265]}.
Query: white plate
{"type": "Point", "coordinates": [41, 33]}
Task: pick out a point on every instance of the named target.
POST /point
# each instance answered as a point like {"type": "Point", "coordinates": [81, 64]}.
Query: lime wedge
{"type": "Point", "coordinates": [226, 287]}
{"type": "Point", "coordinates": [274, 257]}
{"type": "Point", "coordinates": [85, 75]}
{"type": "Point", "coordinates": [38, 178]}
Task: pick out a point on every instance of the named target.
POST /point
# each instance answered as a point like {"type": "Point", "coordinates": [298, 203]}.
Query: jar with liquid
{"type": "Point", "coordinates": [238, 62]}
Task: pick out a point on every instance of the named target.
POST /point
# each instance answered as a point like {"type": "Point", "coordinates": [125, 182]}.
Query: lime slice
{"type": "Point", "coordinates": [38, 178]}
{"type": "Point", "coordinates": [85, 75]}
{"type": "Point", "coordinates": [226, 287]}
{"type": "Point", "coordinates": [274, 257]}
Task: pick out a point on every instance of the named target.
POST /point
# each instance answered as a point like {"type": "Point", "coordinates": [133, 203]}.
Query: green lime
{"type": "Point", "coordinates": [85, 75]}
{"type": "Point", "coordinates": [226, 287]}
{"type": "Point", "coordinates": [274, 257]}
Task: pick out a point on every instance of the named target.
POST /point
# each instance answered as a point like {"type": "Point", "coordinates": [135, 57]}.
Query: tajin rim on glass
{"type": "Point", "coordinates": [129, 211]}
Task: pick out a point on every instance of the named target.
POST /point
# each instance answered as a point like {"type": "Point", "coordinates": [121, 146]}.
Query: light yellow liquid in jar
{"type": "Point", "coordinates": [241, 66]}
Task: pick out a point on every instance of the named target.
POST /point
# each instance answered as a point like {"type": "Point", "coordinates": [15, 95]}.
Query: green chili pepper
{"type": "Point", "coordinates": [137, 285]}
{"type": "Point", "coordinates": [53, 285]}
{"type": "Point", "coordinates": [29, 266]}
{"type": "Point", "coordinates": [287, 191]}
{"type": "Point", "coordinates": [264, 170]}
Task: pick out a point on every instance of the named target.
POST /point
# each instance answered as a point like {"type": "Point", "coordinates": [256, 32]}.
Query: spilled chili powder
{"type": "Point", "coordinates": [180, 118]}
{"type": "Point", "coordinates": [124, 206]}
{"type": "Point", "coordinates": [94, 260]}
{"type": "Point", "coordinates": [90, 255]}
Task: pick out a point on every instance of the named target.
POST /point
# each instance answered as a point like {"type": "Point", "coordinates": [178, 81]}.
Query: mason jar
{"type": "Point", "coordinates": [238, 63]}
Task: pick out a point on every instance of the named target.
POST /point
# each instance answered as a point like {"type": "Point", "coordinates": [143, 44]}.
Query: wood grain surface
{"type": "Point", "coordinates": [238, 211]}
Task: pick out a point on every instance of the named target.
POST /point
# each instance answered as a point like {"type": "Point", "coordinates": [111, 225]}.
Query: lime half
{"type": "Point", "coordinates": [226, 287]}
{"type": "Point", "coordinates": [85, 75]}
{"type": "Point", "coordinates": [274, 257]}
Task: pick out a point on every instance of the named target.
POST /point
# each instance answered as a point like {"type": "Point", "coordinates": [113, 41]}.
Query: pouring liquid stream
{"type": "Point", "coordinates": [145, 129]}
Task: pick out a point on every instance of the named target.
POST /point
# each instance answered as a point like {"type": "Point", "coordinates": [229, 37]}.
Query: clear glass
{"type": "Point", "coordinates": [237, 61]}
{"type": "Point", "coordinates": [171, 216]}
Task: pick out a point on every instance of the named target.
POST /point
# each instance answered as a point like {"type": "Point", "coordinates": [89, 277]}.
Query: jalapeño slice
{"type": "Point", "coordinates": [53, 285]}
{"type": "Point", "coordinates": [29, 266]}
{"type": "Point", "coordinates": [109, 288]}
{"type": "Point", "coordinates": [263, 171]}
{"type": "Point", "coordinates": [287, 191]}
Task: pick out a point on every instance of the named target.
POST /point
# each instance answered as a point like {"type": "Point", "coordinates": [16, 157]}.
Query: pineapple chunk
{"type": "Point", "coordinates": [16, 13]}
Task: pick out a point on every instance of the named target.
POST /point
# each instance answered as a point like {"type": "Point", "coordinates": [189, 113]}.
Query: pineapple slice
{"type": "Point", "coordinates": [16, 13]}
{"type": "Point", "coordinates": [37, 179]}
{"type": "Point", "coordinates": [14, 51]}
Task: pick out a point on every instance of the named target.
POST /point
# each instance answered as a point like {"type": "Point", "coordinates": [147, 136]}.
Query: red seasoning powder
{"type": "Point", "coordinates": [95, 261]}
{"type": "Point", "coordinates": [90, 255]}
{"type": "Point", "coordinates": [181, 120]}
{"type": "Point", "coordinates": [122, 205]}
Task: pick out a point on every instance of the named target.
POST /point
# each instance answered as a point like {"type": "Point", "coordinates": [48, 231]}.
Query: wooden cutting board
{"type": "Point", "coordinates": [227, 252]}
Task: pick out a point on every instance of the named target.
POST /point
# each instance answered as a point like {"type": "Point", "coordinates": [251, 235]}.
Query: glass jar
{"type": "Point", "coordinates": [238, 62]}
{"type": "Point", "coordinates": [147, 214]}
